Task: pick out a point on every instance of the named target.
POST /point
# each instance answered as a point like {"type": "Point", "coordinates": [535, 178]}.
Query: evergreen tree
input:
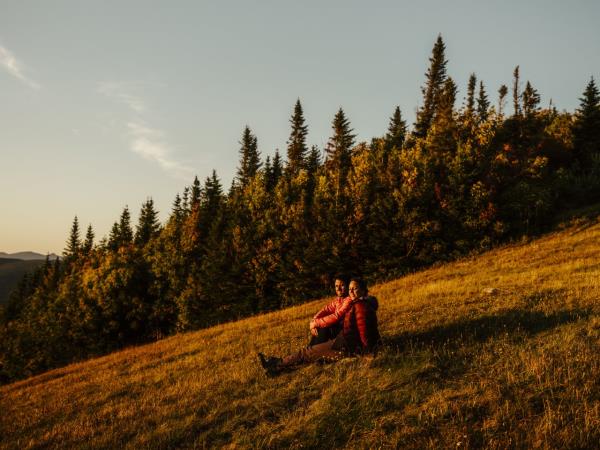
{"type": "Point", "coordinates": [396, 133]}
{"type": "Point", "coordinates": [277, 169]}
{"type": "Point", "coordinates": [125, 231]}
{"type": "Point", "coordinates": [586, 130]}
{"type": "Point", "coordinates": [196, 192]}
{"type": "Point", "coordinates": [185, 201]}
{"type": "Point", "coordinates": [516, 92]}
{"type": "Point", "coordinates": [114, 238]}
{"type": "Point", "coordinates": [176, 209]}
{"type": "Point", "coordinates": [483, 104]}
{"type": "Point", "coordinates": [339, 147]}
{"type": "Point", "coordinates": [74, 242]}
{"type": "Point", "coordinates": [88, 245]}
{"type": "Point", "coordinates": [531, 100]}
{"type": "Point", "coordinates": [249, 158]}
{"type": "Point", "coordinates": [502, 93]}
{"type": "Point", "coordinates": [435, 79]}
{"type": "Point", "coordinates": [148, 225]}
{"type": "Point", "coordinates": [470, 104]}
{"type": "Point", "coordinates": [297, 150]}
{"type": "Point", "coordinates": [212, 195]}
{"type": "Point", "coordinates": [313, 161]}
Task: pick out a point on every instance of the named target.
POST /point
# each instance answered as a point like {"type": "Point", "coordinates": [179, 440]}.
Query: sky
{"type": "Point", "coordinates": [106, 104]}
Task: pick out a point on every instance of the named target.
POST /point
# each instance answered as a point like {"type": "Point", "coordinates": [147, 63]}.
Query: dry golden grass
{"type": "Point", "coordinates": [461, 369]}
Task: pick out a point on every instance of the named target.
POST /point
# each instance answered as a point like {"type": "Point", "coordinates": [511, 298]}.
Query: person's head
{"type": "Point", "coordinates": [341, 285]}
{"type": "Point", "coordinates": [358, 288]}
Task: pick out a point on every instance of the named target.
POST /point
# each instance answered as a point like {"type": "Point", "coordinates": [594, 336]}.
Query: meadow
{"type": "Point", "coordinates": [498, 350]}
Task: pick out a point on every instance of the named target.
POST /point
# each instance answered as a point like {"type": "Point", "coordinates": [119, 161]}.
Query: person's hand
{"type": "Point", "coordinates": [313, 328]}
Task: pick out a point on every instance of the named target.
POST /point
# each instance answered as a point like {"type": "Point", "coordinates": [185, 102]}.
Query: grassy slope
{"type": "Point", "coordinates": [462, 369]}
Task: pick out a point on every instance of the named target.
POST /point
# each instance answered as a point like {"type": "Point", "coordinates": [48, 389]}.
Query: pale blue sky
{"type": "Point", "coordinates": [103, 104]}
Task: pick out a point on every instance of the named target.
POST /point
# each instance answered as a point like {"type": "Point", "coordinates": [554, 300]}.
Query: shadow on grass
{"type": "Point", "coordinates": [482, 329]}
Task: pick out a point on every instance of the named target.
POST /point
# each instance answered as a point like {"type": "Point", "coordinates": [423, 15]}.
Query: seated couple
{"type": "Point", "coordinates": [346, 326]}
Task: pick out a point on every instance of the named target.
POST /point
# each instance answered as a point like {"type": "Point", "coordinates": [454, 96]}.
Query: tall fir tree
{"type": "Point", "coordinates": [586, 130]}
{"type": "Point", "coordinates": [195, 193]}
{"type": "Point", "coordinates": [125, 231]}
{"type": "Point", "coordinates": [531, 100]}
{"type": "Point", "coordinates": [435, 79]}
{"type": "Point", "coordinates": [502, 93]}
{"type": "Point", "coordinates": [313, 160]}
{"type": "Point", "coordinates": [396, 133]}
{"type": "Point", "coordinates": [339, 147]}
{"type": "Point", "coordinates": [483, 104]}
{"type": "Point", "coordinates": [88, 244]}
{"type": "Point", "coordinates": [277, 168]}
{"type": "Point", "coordinates": [516, 92]}
{"type": "Point", "coordinates": [470, 103]}
{"type": "Point", "coordinates": [297, 149]}
{"type": "Point", "coordinates": [148, 225]}
{"type": "Point", "coordinates": [249, 158]}
{"type": "Point", "coordinates": [74, 243]}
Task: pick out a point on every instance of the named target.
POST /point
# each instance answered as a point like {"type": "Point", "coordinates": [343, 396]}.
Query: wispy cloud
{"type": "Point", "coordinates": [12, 65]}
{"type": "Point", "coordinates": [150, 144]}
{"type": "Point", "coordinates": [119, 92]}
{"type": "Point", "coordinates": [146, 141]}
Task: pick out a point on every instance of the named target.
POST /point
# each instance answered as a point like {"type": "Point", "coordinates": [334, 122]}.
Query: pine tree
{"type": "Point", "coordinates": [114, 238]}
{"type": "Point", "coordinates": [212, 195]}
{"type": "Point", "coordinates": [470, 104]}
{"type": "Point", "coordinates": [74, 242]}
{"type": "Point", "coordinates": [125, 231]}
{"type": "Point", "coordinates": [185, 201]}
{"type": "Point", "coordinates": [277, 169]}
{"type": "Point", "coordinates": [531, 100]}
{"type": "Point", "coordinates": [483, 104]}
{"type": "Point", "coordinates": [148, 225]}
{"type": "Point", "coordinates": [502, 93]}
{"type": "Point", "coordinates": [297, 150]}
{"type": "Point", "coordinates": [88, 245]}
{"type": "Point", "coordinates": [339, 147]}
{"type": "Point", "coordinates": [313, 161]}
{"type": "Point", "coordinates": [249, 158]}
{"type": "Point", "coordinates": [436, 77]}
{"type": "Point", "coordinates": [195, 193]}
{"type": "Point", "coordinates": [396, 133]}
{"type": "Point", "coordinates": [586, 130]}
{"type": "Point", "coordinates": [516, 92]}
{"type": "Point", "coordinates": [176, 209]}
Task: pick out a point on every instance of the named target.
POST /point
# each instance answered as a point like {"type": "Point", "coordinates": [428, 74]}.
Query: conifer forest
{"type": "Point", "coordinates": [466, 176]}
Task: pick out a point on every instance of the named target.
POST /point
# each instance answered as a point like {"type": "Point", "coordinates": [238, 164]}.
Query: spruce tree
{"type": "Point", "coordinates": [195, 193]}
{"type": "Point", "coordinates": [516, 92]}
{"type": "Point", "coordinates": [185, 201]}
{"type": "Point", "coordinates": [125, 231]}
{"type": "Point", "coordinates": [114, 237]}
{"type": "Point", "coordinates": [586, 130]}
{"type": "Point", "coordinates": [502, 93]}
{"type": "Point", "coordinates": [470, 104]}
{"type": "Point", "coordinates": [212, 195]}
{"type": "Point", "coordinates": [74, 242]}
{"type": "Point", "coordinates": [249, 158]}
{"type": "Point", "coordinates": [339, 147]}
{"type": "Point", "coordinates": [297, 150]}
{"type": "Point", "coordinates": [531, 100]}
{"type": "Point", "coordinates": [483, 104]}
{"type": "Point", "coordinates": [396, 133]}
{"type": "Point", "coordinates": [88, 245]}
{"type": "Point", "coordinates": [277, 169]}
{"type": "Point", "coordinates": [435, 79]}
{"type": "Point", "coordinates": [148, 225]}
{"type": "Point", "coordinates": [313, 161]}
{"type": "Point", "coordinates": [176, 209]}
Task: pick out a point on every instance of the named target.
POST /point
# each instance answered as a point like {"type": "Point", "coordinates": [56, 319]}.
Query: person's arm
{"type": "Point", "coordinates": [366, 322]}
{"type": "Point", "coordinates": [335, 316]}
{"type": "Point", "coordinates": [327, 309]}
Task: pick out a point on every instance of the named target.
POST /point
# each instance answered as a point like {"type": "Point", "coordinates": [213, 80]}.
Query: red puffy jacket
{"type": "Point", "coordinates": [360, 330]}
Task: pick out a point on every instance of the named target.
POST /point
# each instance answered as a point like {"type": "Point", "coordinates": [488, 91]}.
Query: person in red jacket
{"type": "Point", "coordinates": [326, 323]}
{"type": "Point", "coordinates": [359, 334]}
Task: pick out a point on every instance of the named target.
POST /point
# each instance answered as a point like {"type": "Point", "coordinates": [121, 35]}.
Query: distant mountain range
{"type": "Point", "coordinates": [27, 256]}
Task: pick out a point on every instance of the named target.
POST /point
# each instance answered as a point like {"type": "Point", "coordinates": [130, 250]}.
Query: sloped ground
{"type": "Point", "coordinates": [462, 368]}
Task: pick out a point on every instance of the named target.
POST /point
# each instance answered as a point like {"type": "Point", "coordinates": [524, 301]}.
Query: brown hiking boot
{"type": "Point", "coordinates": [271, 364]}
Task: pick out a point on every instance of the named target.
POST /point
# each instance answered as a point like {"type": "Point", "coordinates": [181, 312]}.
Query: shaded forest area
{"type": "Point", "coordinates": [462, 179]}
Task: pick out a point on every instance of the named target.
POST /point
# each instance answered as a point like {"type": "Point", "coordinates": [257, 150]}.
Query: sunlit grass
{"type": "Point", "coordinates": [461, 369]}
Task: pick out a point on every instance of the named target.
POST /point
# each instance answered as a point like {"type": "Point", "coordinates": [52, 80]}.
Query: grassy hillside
{"type": "Point", "coordinates": [11, 272]}
{"type": "Point", "coordinates": [463, 368]}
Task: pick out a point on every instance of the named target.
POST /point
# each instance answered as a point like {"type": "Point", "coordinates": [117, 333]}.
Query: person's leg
{"type": "Point", "coordinates": [311, 354]}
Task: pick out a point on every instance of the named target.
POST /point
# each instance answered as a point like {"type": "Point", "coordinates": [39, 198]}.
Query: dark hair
{"type": "Point", "coordinates": [342, 276]}
{"type": "Point", "coordinates": [362, 284]}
